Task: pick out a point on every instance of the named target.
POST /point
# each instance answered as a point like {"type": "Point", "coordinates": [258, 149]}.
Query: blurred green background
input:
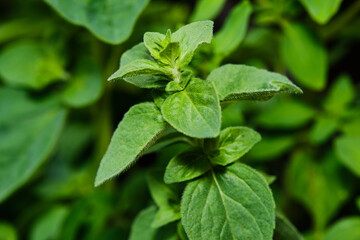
{"type": "Point", "coordinates": [58, 112]}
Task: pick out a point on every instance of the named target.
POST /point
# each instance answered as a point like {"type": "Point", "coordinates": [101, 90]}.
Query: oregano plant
{"type": "Point", "coordinates": [206, 188]}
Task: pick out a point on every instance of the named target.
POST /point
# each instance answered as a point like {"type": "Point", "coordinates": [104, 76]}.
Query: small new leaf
{"type": "Point", "coordinates": [241, 82]}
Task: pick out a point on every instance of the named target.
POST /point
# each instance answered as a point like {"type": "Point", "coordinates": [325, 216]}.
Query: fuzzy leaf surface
{"type": "Point", "coordinates": [228, 203]}
{"type": "Point", "coordinates": [195, 111]}
{"type": "Point", "coordinates": [137, 131]}
{"type": "Point", "coordinates": [241, 82]}
{"type": "Point", "coordinates": [233, 143]}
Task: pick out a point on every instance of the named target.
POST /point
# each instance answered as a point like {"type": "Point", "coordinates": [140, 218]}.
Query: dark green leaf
{"type": "Point", "coordinates": [186, 166]}
{"type": "Point", "coordinates": [229, 203]}
{"type": "Point", "coordinates": [233, 143]}
{"type": "Point", "coordinates": [127, 144]}
{"type": "Point", "coordinates": [29, 130]}
{"type": "Point", "coordinates": [194, 111]}
{"type": "Point", "coordinates": [241, 82]}
{"type": "Point", "coordinates": [284, 230]}
{"type": "Point", "coordinates": [110, 21]}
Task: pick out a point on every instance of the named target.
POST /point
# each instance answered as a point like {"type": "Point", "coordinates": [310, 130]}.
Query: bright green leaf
{"type": "Point", "coordinates": [228, 203]}
{"type": "Point", "coordinates": [233, 143]}
{"type": "Point", "coordinates": [286, 114]}
{"type": "Point", "coordinates": [241, 82]}
{"type": "Point", "coordinates": [194, 111]}
{"type": "Point", "coordinates": [321, 10]}
{"type": "Point", "coordinates": [30, 64]}
{"type": "Point", "coordinates": [29, 131]}
{"type": "Point", "coordinates": [127, 144]}
{"type": "Point", "coordinates": [308, 181]}
{"type": "Point", "coordinates": [323, 128]}
{"type": "Point", "coordinates": [190, 37]}
{"type": "Point", "coordinates": [49, 225]}
{"type": "Point", "coordinates": [7, 232]}
{"type": "Point", "coordinates": [284, 230]}
{"type": "Point", "coordinates": [347, 228]}
{"type": "Point", "coordinates": [86, 85]}
{"type": "Point", "coordinates": [229, 37]}
{"type": "Point", "coordinates": [110, 21]}
{"type": "Point", "coordinates": [186, 166]}
{"type": "Point", "coordinates": [341, 94]}
{"type": "Point", "coordinates": [348, 150]}
{"type": "Point", "coordinates": [305, 56]}
{"type": "Point", "coordinates": [206, 9]}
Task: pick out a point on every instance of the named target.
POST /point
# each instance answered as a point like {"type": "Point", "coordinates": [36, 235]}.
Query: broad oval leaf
{"type": "Point", "coordinates": [241, 82]}
{"type": "Point", "coordinates": [233, 143]}
{"type": "Point", "coordinates": [195, 111]}
{"type": "Point", "coordinates": [29, 130]}
{"type": "Point", "coordinates": [348, 151]}
{"type": "Point", "coordinates": [186, 166]}
{"type": "Point", "coordinates": [85, 86]}
{"type": "Point", "coordinates": [321, 10]}
{"type": "Point", "coordinates": [30, 64]}
{"type": "Point", "coordinates": [127, 144]}
{"type": "Point", "coordinates": [305, 56]}
{"type": "Point", "coordinates": [110, 21]}
{"type": "Point", "coordinates": [207, 9]}
{"type": "Point", "coordinates": [228, 203]}
{"type": "Point", "coordinates": [347, 228]}
{"type": "Point", "coordinates": [190, 37]}
{"type": "Point", "coordinates": [229, 37]}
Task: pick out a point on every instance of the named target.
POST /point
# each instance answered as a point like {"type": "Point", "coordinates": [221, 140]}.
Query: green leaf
{"type": "Point", "coordinates": [186, 166]}
{"type": "Point", "coordinates": [148, 71]}
{"type": "Point", "coordinates": [305, 56]}
{"type": "Point", "coordinates": [30, 64]}
{"type": "Point", "coordinates": [166, 198]}
{"type": "Point", "coordinates": [127, 145]}
{"type": "Point", "coordinates": [341, 94]}
{"type": "Point", "coordinates": [7, 232]}
{"type": "Point", "coordinates": [156, 42]}
{"type": "Point", "coordinates": [347, 228]}
{"type": "Point", "coordinates": [348, 151]}
{"type": "Point", "coordinates": [141, 228]}
{"type": "Point", "coordinates": [190, 37]}
{"type": "Point", "coordinates": [323, 128]}
{"type": "Point", "coordinates": [228, 203]}
{"type": "Point", "coordinates": [352, 127]}
{"type": "Point", "coordinates": [308, 181]}
{"type": "Point", "coordinates": [29, 131]}
{"type": "Point", "coordinates": [194, 111]}
{"type": "Point", "coordinates": [284, 230]}
{"type": "Point", "coordinates": [321, 10]}
{"type": "Point", "coordinates": [49, 225]}
{"type": "Point", "coordinates": [286, 114]}
{"type": "Point", "coordinates": [86, 85]}
{"type": "Point", "coordinates": [206, 9]}
{"type": "Point", "coordinates": [229, 37]}
{"type": "Point", "coordinates": [170, 53]}
{"type": "Point", "coordinates": [140, 52]}
{"type": "Point", "coordinates": [233, 143]}
{"type": "Point", "coordinates": [271, 147]}
{"type": "Point", "coordinates": [241, 82]}
{"type": "Point", "coordinates": [110, 21]}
